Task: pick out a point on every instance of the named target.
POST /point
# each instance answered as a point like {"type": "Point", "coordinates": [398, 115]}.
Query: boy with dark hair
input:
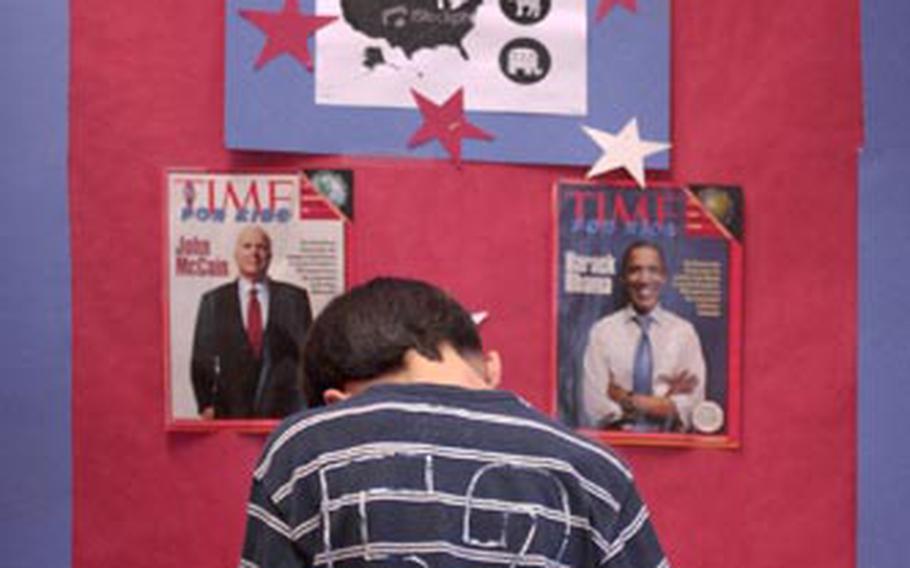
{"type": "Point", "coordinates": [421, 463]}
{"type": "Point", "coordinates": [359, 338]}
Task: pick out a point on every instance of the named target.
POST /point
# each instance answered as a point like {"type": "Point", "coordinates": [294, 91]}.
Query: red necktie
{"type": "Point", "coordinates": [254, 323]}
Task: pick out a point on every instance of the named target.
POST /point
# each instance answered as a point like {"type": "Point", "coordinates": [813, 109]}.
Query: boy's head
{"type": "Point", "coordinates": [384, 328]}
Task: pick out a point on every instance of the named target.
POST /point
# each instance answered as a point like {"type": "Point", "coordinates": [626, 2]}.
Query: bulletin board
{"type": "Point", "coordinates": [147, 93]}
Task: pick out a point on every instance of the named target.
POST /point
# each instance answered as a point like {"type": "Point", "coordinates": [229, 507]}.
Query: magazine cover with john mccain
{"type": "Point", "coordinates": [648, 312]}
{"type": "Point", "coordinates": [251, 257]}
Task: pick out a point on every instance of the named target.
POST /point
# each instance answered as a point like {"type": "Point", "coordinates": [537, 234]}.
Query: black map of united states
{"type": "Point", "coordinates": [413, 24]}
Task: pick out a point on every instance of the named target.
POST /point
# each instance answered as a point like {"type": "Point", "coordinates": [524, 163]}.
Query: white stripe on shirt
{"type": "Point", "coordinates": [628, 533]}
{"type": "Point", "coordinates": [450, 499]}
{"type": "Point", "coordinates": [423, 408]}
{"type": "Point", "coordinates": [436, 547]}
{"type": "Point", "coordinates": [270, 520]}
{"type": "Point", "coordinates": [381, 449]}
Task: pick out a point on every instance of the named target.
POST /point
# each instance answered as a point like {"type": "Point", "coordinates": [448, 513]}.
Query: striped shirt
{"type": "Point", "coordinates": [425, 475]}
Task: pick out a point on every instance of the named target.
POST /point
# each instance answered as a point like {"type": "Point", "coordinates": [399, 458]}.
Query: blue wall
{"type": "Point", "coordinates": [35, 488]}
{"type": "Point", "coordinates": [884, 319]}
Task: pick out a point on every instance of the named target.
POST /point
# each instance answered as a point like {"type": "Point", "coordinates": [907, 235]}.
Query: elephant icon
{"type": "Point", "coordinates": [527, 8]}
{"type": "Point", "coordinates": [524, 61]}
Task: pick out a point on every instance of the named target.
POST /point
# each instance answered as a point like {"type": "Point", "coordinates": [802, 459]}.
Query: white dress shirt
{"type": "Point", "coordinates": [611, 352]}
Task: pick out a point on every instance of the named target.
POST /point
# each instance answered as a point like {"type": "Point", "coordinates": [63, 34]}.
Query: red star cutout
{"type": "Point", "coordinates": [606, 5]}
{"type": "Point", "coordinates": [287, 31]}
{"type": "Point", "coordinates": [446, 123]}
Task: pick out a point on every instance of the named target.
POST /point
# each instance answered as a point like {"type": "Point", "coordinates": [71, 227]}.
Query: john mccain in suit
{"type": "Point", "coordinates": [247, 339]}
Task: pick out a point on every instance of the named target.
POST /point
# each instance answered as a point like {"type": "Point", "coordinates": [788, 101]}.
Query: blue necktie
{"type": "Point", "coordinates": [643, 363]}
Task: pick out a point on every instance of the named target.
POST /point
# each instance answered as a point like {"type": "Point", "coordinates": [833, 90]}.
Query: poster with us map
{"type": "Point", "coordinates": [516, 55]}
{"type": "Point", "coordinates": [530, 74]}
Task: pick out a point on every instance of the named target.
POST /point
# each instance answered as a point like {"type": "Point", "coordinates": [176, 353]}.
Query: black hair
{"type": "Point", "coordinates": [624, 264]}
{"type": "Point", "coordinates": [366, 332]}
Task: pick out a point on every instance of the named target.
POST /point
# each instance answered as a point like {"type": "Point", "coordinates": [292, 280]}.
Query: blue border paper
{"type": "Point", "coordinates": [273, 109]}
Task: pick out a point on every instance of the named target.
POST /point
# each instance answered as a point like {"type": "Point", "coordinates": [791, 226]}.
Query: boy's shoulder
{"type": "Point", "coordinates": [417, 416]}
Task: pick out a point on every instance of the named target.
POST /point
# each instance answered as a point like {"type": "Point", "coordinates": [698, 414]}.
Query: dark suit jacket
{"type": "Point", "coordinates": [225, 372]}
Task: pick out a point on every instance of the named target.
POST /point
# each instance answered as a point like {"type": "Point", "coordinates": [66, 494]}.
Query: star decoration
{"type": "Point", "coordinates": [605, 6]}
{"type": "Point", "coordinates": [287, 31]}
{"type": "Point", "coordinates": [624, 150]}
{"type": "Point", "coordinates": [446, 123]}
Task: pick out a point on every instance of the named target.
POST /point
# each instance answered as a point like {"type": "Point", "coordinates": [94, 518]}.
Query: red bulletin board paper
{"type": "Point", "coordinates": [766, 96]}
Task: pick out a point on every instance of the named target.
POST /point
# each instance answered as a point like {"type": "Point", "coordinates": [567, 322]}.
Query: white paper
{"type": "Point", "coordinates": [343, 78]}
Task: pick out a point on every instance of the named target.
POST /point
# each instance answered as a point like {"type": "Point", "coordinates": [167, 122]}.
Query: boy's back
{"type": "Point", "coordinates": [425, 474]}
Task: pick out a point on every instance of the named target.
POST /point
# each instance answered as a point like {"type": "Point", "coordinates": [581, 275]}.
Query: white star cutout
{"type": "Point", "coordinates": [624, 150]}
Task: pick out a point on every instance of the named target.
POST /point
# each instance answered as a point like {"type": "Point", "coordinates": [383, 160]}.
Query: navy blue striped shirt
{"type": "Point", "coordinates": [423, 475]}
